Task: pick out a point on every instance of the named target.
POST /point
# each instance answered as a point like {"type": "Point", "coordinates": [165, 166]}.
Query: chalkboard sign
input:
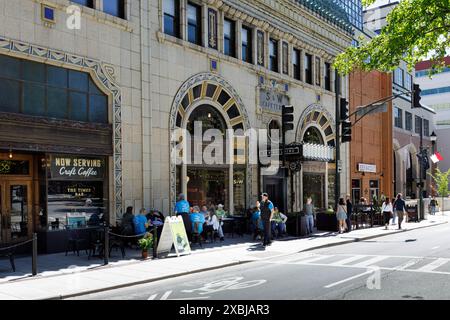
{"type": "Point", "coordinates": [173, 235]}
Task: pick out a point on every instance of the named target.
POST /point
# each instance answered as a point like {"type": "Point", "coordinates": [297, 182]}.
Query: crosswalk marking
{"type": "Point", "coordinates": [367, 261]}
{"type": "Point", "coordinates": [434, 265]}
{"type": "Point", "coordinates": [370, 262]}
{"type": "Point", "coordinates": [315, 259]}
{"type": "Point", "coordinates": [347, 260]}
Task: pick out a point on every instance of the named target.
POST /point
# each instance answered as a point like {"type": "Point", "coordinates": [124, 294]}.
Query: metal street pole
{"type": "Point", "coordinates": [337, 186]}
{"type": "Point", "coordinates": [421, 168]}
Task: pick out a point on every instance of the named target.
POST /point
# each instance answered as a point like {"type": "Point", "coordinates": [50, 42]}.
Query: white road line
{"type": "Point", "coordinates": [153, 297]}
{"type": "Point", "coordinates": [434, 248]}
{"type": "Point", "coordinates": [434, 265]}
{"type": "Point", "coordinates": [348, 260]}
{"type": "Point", "coordinates": [315, 259]}
{"type": "Point", "coordinates": [407, 264]}
{"type": "Point", "coordinates": [166, 295]}
{"type": "Point", "coordinates": [369, 262]}
{"type": "Point", "coordinates": [348, 279]}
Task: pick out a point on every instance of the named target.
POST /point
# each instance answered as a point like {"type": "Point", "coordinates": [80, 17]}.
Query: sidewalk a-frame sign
{"type": "Point", "coordinates": [173, 235]}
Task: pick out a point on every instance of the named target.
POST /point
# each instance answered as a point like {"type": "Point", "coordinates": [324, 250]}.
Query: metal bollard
{"type": "Point", "coordinates": [34, 256]}
{"type": "Point", "coordinates": [155, 242]}
{"type": "Point", "coordinates": [106, 249]}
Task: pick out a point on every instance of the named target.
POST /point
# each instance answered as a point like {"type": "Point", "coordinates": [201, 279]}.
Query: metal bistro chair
{"type": "Point", "coordinates": [196, 236]}
{"type": "Point", "coordinates": [74, 241]}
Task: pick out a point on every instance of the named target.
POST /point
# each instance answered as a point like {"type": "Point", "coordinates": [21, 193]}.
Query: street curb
{"type": "Point", "coordinates": [136, 283]}
{"type": "Point", "coordinates": [370, 237]}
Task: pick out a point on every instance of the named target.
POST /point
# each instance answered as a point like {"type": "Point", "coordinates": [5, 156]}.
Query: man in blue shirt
{"type": "Point", "coordinates": [140, 223]}
{"type": "Point", "coordinates": [266, 216]}
{"type": "Point", "coordinates": [182, 208]}
{"type": "Point", "coordinates": [197, 217]}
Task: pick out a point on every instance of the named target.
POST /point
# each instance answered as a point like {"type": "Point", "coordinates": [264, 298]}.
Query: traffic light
{"type": "Point", "coordinates": [288, 118]}
{"type": "Point", "coordinates": [344, 109]}
{"type": "Point", "coordinates": [346, 134]}
{"type": "Point", "coordinates": [416, 97]}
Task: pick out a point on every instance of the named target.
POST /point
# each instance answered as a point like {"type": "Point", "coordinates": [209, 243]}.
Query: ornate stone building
{"type": "Point", "coordinates": [74, 92]}
{"type": "Point", "coordinates": [236, 63]}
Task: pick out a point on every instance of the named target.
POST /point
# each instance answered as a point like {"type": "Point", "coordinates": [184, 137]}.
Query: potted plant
{"type": "Point", "coordinates": [326, 220]}
{"type": "Point", "coordinates": [146, 243]}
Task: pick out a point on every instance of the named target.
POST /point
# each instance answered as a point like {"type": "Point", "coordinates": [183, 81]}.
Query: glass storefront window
{"type": "Point", "coordinates": [208, 187]}
{"type": "Point", "coordinates": [239, 193]}
{"type": "Point", "coordinates": [314, 187]}
{"type": "Point", "coordinates": [71, 204]}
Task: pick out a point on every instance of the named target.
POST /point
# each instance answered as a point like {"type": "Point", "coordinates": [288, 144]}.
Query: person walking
{"type": "Point", "coordinates": [341, 215]}
{"type": "Point", "coordinates": [433, 205]}
{"type": "Point", "coordinates": [266, 215]}
{"type": "Point", "coordinates": [388, 211]}
{"type": "Point", "coordinates": [400, 208]}
{"type": "Point", "coordinates": [349, 213]}
{"type": "Point", "coordinates": [309, 213]}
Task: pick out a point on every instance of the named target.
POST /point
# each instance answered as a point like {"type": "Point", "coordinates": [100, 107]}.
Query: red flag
{"type": "Point", "coordinates": [436, 157]}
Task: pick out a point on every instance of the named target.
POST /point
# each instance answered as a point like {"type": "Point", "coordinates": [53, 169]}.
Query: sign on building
{"type": "Point", "coordinates": [370, 168]}
{"type": "Point", "coordinates": [66, 167]}
{"type": "Point", "coordinates": [272, 100]}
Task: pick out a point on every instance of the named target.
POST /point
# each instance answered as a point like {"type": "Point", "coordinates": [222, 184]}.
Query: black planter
{"type": "Point", "coordinates": [326, 222]}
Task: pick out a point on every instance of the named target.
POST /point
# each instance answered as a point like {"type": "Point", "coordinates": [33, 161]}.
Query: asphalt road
{"type": "Point", "coordinates": [413, 265]}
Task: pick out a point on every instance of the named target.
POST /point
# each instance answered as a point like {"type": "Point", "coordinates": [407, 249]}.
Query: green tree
{"type": "Point", "coordinates": [441, 179]}
{"type": "Point", "coordinates": [415, 30]}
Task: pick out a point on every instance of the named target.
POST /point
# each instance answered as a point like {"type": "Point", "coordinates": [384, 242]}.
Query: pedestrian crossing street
{"type": "Point", "coordinates": [383, 262]}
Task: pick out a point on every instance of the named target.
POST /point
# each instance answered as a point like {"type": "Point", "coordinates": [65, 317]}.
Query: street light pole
{"type": "Point", "coordinates": [421, 168]}
{"type": "Point", "coordinates": [337, 187]}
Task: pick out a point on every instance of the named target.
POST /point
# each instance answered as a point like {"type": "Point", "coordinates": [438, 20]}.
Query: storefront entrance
{"type": "Point", "coordinates": [208, 186]}
{"type": "Point", "coordinates": [15, 198]}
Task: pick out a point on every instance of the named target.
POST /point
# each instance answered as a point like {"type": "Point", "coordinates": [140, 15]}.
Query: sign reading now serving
{"type": "Point", "coordinates": [77, 168]}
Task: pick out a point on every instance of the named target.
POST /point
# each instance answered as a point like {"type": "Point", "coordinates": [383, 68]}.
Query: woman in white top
{"type": "Point", "coordinates": [387, 210]}
{"type": "Point", "coordinates": [215, 223]}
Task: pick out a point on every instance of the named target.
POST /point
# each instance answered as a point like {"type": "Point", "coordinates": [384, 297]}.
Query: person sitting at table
{"type": "Point", "coordinates": [204, 211]}
{"type": "Point", "coordinates": [197, 216]}
{"type": "Point", "coordinates": [95, 219]}
{"type": "Point", "coordinates": [156, 218]}
{"type": "Point", "coordinates": [140, 223]}
{"type": "Point", "coordinates": [278, 223]}
{"type": "Point", "coordinates": [220, 212]}
{"type": "Point", "coordinates": [216, 224]}
{"type": "Point", "coordinates": [127, 225]}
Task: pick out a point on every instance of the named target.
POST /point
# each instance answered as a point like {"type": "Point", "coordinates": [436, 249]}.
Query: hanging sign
{"type": "Point", "coordinates": [173, 234]}
{"type": "Point", "coordinates": [67, 167]}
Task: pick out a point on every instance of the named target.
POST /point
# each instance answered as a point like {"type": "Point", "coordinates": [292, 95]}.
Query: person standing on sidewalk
{"type": "Point", "coordinates": [400, 208]}
{"type": "Point", "coordinates": [182, 208]}
{"type": "Point", "coordinates": [266, 215]}
{"type": "Point", "coordinates": [433, 205]}
{"type": "Point", "coordinates": [349, 213]}
{"type": "Point", "coordinates": [341, 215]}
{"type": "Point", "coordinates": [309, 213]}
{"type": "Point", "coordinates": [387, 210]}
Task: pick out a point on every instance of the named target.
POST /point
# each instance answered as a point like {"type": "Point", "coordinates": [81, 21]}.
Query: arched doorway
{"type": "Point", "coordinates": [209, 100]}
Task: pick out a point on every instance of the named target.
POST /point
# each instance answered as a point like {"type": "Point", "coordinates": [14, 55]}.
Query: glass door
{"type": "Point", "coordinates": [16, 206]}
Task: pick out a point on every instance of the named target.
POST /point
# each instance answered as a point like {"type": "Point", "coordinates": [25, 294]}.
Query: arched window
{"type": "Point", "coordinates": [313, 136]}
{"type": "Point", "coordinates": [274, 125]}
{"type": "Point", "coordinates": [210, 118]}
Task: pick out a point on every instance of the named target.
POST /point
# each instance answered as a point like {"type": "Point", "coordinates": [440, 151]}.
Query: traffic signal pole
{"type": "Point", "coordinates": [337, 187]}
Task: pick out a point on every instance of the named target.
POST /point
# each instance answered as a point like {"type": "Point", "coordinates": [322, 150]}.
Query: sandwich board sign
{"type": "Point", "coordinates": [173, 234]}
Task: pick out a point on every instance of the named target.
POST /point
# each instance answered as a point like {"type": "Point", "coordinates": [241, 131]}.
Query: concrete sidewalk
{"type": "Point", "coordinates": [82, 280]}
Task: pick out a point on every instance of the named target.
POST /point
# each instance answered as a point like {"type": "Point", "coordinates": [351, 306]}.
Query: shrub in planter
{"type": "Point", "coordinates": [326, 221]}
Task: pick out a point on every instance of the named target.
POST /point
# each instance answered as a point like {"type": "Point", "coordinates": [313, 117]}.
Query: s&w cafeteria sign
{"type": "Point", "coordinates": [77, 168]}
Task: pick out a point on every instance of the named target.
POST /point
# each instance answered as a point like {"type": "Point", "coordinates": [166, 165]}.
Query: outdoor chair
{"type": "Point", "coordinates": [9, 253]}
{"type": "Point", "coordinates": [196, 236]}
{"type": "Point", "coordinates": [75, 242]}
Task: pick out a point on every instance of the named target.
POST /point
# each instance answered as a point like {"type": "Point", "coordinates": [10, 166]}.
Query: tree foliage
{"type": "Point", "coordinates": [441, 179]}
{"type": "Point", "coordinates": [415, 30]}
